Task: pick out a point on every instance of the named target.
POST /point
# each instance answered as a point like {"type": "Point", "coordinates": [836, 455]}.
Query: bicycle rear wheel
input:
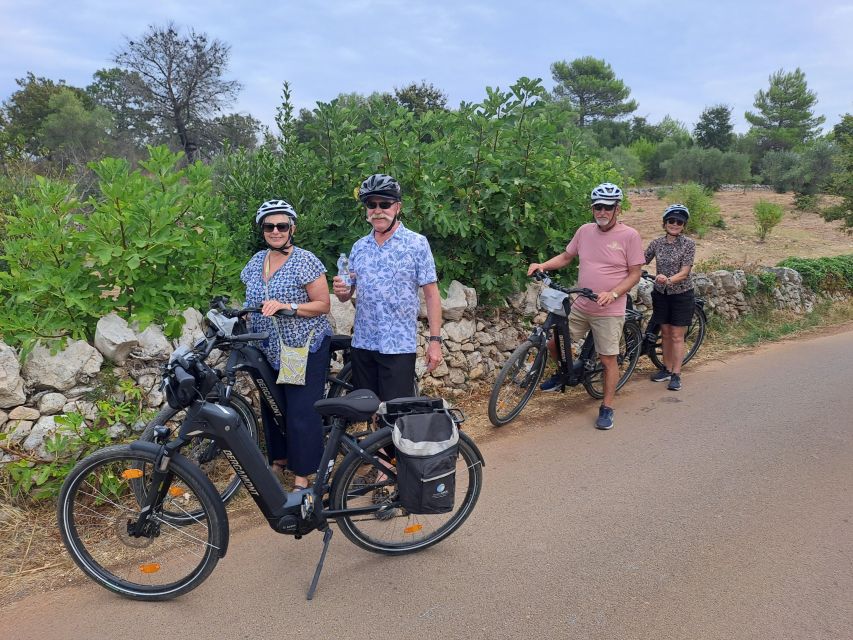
{"type": "Point", "coordinates": [516, 382]}
{"type": "Point", "coordinates": [630, 343]}
{"type": "Point", "coordinates": [205, 452]}
{"type": "Point", "coordinates": [98, 505]}
{"type": "Point", "coordinates": [693, 338]}
{"type": "Point", "coordinates": [393, 530]}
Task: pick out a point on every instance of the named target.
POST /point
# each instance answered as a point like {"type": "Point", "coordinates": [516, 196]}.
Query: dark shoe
{"type": "Point", "coordinates": [660, 376]}
{"type": "Point", "coordinates": [605, 418]}
{"type": "Point", "coordinates": [674, 382]}
{"type": "Point", "coordinates": [552, 384]}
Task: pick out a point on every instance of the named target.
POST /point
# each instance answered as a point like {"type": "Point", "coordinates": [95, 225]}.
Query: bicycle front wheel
{"type": "Point", "coordinates": [393, 530]}
{"type": "Point", "coordinates": [693, 338]}
{"type": "Point", "coordinates": [516, 382]}
{"type": "Point", "coordinates": [205, 452]}
{"type": "Point", "coordinates": [630, 343]}
{"type": "Point", "coordinates": [98, 508]}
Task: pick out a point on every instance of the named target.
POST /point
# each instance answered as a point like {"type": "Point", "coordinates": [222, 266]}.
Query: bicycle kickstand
{"type": "Point", "coordinates": [327, 538]}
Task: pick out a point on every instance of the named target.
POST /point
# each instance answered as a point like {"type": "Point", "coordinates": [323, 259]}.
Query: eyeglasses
{"type": "Point", "coordinates": [381, 204]}
{"type": "Point", "coordinates": [604, 207]}
{"type": "Point", "coordinates": [675, 221]}
{"type": "Point", "coordinates": [269, 227]}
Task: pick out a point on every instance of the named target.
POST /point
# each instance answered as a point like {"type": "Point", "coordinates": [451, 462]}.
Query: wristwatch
{"type": "Point", "coordinates": [614, 294]}
{"type": "Point", "coordinates": [294, 306]}
{"type": "Point", "coordinates": [435, 339]}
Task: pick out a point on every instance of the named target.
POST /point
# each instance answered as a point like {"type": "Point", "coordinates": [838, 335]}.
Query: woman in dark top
{"type": "Point", "coordinates": [287, 277]}
{"type": "Point", "coordinates": [672, 298]}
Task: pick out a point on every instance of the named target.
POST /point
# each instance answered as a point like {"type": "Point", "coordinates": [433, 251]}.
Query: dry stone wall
{"type": "Point", "coordinates": [477, 341]}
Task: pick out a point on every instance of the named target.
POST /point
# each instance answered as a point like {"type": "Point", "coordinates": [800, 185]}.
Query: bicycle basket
{"type": "Point", "coordinates": [551, 300]}
{"type": "Point", "coordinates": [427, 447]}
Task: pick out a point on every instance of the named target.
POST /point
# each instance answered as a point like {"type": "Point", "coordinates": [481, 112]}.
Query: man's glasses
{"type": "Point", "coordinates": [269, 227]}
{"type": "Point", "coordinates": [675, 221]}
{"type": "Point", "coordinates": [603, 207]}
{"type": "Point", "coordinates": [381, 204]}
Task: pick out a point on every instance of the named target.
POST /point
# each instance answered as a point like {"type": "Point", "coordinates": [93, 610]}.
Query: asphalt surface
{"type": "Point", "coordinates": [724, 511]}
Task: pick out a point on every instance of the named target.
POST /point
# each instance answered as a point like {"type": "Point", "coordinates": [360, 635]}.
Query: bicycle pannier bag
{"type": "Point", "coordinates": [427, 446]}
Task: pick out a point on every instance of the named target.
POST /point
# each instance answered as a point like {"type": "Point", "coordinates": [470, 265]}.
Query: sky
{"type": "Point", "coordinates": [677, 57]}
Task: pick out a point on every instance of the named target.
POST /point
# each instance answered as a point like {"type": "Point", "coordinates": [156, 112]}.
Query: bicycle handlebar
{"type": "Point", "coordinates": [543, 277]}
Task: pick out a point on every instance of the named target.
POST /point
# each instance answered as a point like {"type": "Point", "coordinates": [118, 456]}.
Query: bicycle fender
{"type": "Point", "coordinates": [186, 467]}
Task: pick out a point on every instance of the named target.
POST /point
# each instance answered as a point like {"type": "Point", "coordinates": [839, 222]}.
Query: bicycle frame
{"type": "Point", "coordinates": [293, 512]}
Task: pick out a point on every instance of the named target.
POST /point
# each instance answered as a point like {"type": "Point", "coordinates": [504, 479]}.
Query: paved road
{"type": "Point", "coordinates": [722, 511]}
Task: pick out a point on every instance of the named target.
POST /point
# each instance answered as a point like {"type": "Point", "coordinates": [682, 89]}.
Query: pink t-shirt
{"type": "Point", "coordinates": [604, 258]}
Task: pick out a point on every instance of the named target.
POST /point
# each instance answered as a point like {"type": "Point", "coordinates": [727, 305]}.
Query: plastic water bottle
{"type": "Point", "coordinates": [343, 269]}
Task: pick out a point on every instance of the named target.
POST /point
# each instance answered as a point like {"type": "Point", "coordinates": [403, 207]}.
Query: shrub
{"type": "Point", "coordinates": [626, 163]}
{"type": "Point", "coordinates": [767, 216]}
{"type": "Point", "coordinates": [807, 202]}
{"type": "Point", "coordinates": [824, 274]}
{"type": "Point", "coordinates": [493, 186]}
{"type": "Point", "coordinates": [708, 167]}
{"type": "Point", "coordinates": [703, 212]}
{"type": "Point", "coordinates": [781, 170]}
{"type": "Point", "coordinates": [144, 244]}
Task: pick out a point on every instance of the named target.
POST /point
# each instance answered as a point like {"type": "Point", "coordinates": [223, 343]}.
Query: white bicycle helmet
{"type": "Point", "coordinates": [606, 193]}
{"type": "Point", "coordinates": [274, 206]}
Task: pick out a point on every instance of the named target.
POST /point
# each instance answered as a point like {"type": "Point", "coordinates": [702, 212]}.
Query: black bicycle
{"type": "Point", "coordinates": [145, 522]}
{"type": "Point", "coordinates": [520, 375]}
{"type": "Point", "coordinates": [693, 336]}
{"type": "Point", "coordinates": [222, 325]}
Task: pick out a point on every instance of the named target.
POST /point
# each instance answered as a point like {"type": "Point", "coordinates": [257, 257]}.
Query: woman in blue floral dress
{"type": "Point", "coordinates": [285, 277]}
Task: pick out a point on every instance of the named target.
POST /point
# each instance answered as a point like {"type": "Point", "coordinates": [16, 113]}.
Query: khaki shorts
{"type": "Point", "coordinates": [606, 330]}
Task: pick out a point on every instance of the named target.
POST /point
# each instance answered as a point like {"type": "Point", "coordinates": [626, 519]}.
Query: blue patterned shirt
{"type": "Point", "coordinates": [286, 285]}
{"type": "Point", "coordinates": [387, 280]}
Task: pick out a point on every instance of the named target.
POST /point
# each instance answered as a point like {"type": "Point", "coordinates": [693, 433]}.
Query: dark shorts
{"type": "Point", "coordinates": [675, 309]}
{"type": "Point", "coordinates": [388, 375]}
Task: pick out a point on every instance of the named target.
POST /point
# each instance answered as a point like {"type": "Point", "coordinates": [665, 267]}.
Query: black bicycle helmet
{"type": "Point", "coordinates": [677, 211]}
{"type": "Point", "coordinates": [270, 207]}
{"type": "Point", "coordinates": [380, 185]}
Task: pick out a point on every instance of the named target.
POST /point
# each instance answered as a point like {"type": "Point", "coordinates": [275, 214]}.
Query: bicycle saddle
{"type": "Point", "coordinates": [340, 342]}
{"type": "Point", "coordinates": [357, 405]}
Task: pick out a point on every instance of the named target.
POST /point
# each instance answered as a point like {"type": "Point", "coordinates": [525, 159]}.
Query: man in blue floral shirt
{"type": "Point", "coordinates": [388, 266]}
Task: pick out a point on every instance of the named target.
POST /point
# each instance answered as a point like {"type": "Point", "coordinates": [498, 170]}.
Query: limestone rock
{"type": "Point", "coordinates": [114, 338]}
{"type": "Point", "coordinates": [24, 413]}
{"type": "Point", "coordinates": [11, 383]}
{"type": "Point", "coordinates": [455, 304]}
{"type": "Point", "coordinates": [153, 342]}
{"type": "Point", "coordinates": [459, 331]}
{"type": "Point", "coordinates": [78, 362]}
{"type": "Point", "coordinates": [51, 403]}
{"type": "Point", "coordinates": [341, 316]}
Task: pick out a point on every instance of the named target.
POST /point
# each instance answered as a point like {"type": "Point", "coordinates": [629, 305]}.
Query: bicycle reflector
{"type": "Point", "coordinates": [150, 567]}
{"type": "Point", "coordinates": [131, 474]}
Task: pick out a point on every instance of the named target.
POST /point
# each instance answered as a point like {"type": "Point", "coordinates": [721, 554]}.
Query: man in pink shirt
{"type": "Point", "coordinates": [610, 258]}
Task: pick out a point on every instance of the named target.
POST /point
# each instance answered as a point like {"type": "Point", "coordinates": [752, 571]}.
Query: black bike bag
{"type": "Point", "coordinates": [427, 447]}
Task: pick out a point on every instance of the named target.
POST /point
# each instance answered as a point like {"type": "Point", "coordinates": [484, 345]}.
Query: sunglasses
{"type": "Point", "coordinates": [603, 207]}
{"type": "Point", "coordinates": [269, 227]}
{"type": "Point", "coordinates": [680, 223]}
{"type": "Point", "coordinates": [382, 204]}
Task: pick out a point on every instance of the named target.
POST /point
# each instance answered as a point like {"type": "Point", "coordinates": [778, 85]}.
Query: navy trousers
{"type": "Point", "coordinates": [302, 444]}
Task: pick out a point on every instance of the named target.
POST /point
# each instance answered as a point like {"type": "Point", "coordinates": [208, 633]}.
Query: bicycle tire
{"type": "Point", "coordinates": [520, 373]}
{"type": "Point", "coordinates": [395, 531]}
{"type": "Point", "coordinates": [693, 338]}
{"type": "Point", "coordinates": [204, 452]}
{"type": "Point", "coordinates": [630, 345]}
{"type": "Point", "coordinates": [96, 505]}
